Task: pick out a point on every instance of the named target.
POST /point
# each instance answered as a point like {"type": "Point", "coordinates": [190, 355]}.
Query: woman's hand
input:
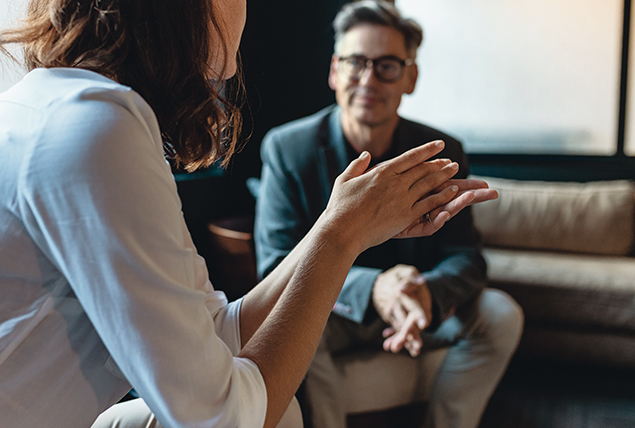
{"type": "Point", "coordinates": [368, 207]}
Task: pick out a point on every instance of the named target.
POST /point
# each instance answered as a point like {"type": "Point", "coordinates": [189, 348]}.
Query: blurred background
{"type": "Point", "coordinates": [535, 90]}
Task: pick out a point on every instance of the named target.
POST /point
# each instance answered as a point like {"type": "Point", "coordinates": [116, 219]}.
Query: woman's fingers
{"type": "Point", "coordinates": [392, 198]}
{"type": "Point", "coordinates": [426, 181]}
{"type": "Point", "coordinates": [482, 195]}
{"type": "Point", "coordinates": [465, 184]}
{"type": "Point", "coordinates": [435, 200]}
{"type": "Point", "coordinates": [457, 203]}
{"type": "Point", "coordinates": [479, 192]}
{"type": "Point", "coordinates": [440, 208]}
{"type": "Point", "coordinates": [415, 157]}
{"type": "Point", "coordinates": [480, 188]}
{"type": "Point", "coordinates": [464, 199]}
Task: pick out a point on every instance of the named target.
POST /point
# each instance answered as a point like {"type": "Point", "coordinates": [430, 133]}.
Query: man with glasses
{"type": "Point", "coordinates": [416, 294]}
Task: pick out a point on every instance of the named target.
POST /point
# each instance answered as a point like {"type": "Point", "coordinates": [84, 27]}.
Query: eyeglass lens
{"type": "Point", "coordinates": [387, 69]}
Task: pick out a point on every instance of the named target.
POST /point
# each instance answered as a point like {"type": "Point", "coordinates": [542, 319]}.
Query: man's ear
{"type": "Point", "coordinates": [413, 75]}
{"type": "Point", "coordinates": [333, 73]}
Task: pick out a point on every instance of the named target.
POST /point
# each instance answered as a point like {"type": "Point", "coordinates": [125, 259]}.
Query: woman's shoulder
{"type": "Point", "coordinates": [83, 104]}
{"type": "Point", "coordinates": [57, 91]}
{"type": "Point", "coordinates": [83, 124]}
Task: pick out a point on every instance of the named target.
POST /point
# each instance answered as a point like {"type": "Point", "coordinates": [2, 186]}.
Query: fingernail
{"type": "Point", "coordinates": [421, 323]}
{"type": "Point", "coordinates": [439, 143]}
{"type": "Point", "coordinates": [455, 188]}
{"type": "Point", "coordinates": [363, 155]}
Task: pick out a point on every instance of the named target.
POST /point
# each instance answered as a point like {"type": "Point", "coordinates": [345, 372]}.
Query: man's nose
{"type": "Point", "coordinates": [368, 75]}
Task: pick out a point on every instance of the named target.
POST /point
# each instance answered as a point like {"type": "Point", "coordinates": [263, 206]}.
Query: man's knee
{"type": "Point", "coordinates": [503, 318]}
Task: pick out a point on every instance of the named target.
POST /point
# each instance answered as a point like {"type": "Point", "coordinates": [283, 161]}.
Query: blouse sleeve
{"type": "Point", "coordinates": [101, 203]}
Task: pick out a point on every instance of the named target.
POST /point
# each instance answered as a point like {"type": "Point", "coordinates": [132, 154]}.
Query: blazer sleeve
{"type": "Point", "coordinates": [279, 224]}
{"type": "Point", "coordinates": [356, 294]}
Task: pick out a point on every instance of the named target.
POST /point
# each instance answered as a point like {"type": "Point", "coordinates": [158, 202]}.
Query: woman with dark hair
{"type": "Point", "coordinates": [101, 288]}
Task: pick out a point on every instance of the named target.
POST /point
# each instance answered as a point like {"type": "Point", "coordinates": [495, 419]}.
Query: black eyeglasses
{"type": "Point", "coordinates": [388, 69]}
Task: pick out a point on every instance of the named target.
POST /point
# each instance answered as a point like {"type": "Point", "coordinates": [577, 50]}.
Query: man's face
{"type": "Point", "coordinates": [367, 100]}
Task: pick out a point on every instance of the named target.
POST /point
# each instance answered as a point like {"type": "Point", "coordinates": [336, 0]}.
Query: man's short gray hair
{"type": "Point", "coordinates": [380, 13]}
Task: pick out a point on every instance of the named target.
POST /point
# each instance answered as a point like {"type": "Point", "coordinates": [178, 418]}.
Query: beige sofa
{"type": "Point", "coordinates": [564, 251]}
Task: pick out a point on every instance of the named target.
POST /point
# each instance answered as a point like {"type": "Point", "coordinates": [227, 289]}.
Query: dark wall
{"type": "Point", "coordinates": [286, 50]}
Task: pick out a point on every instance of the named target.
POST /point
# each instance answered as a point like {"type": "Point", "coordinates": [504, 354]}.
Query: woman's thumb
{"type": "Point", "coordinates": [357, 167]}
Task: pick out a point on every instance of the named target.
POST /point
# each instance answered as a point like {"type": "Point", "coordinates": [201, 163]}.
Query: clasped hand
{"type": "Point", "coordinates": [403, 301]}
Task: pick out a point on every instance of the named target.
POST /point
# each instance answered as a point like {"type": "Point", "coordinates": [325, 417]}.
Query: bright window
{"type": "Point", "coordinates": [522, 76]}
{"type": "Point", "coordinates": [629, 138]}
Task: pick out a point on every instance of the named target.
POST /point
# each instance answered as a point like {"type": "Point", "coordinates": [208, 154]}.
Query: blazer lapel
{"type": "Point", "coordinates": [332, 151]}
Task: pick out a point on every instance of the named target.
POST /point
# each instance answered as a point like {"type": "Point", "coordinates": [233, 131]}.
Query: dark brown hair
{"type": "Point", "coordinates": [160, 48]}
{"type": "Point", "coordinates": [380, 13]}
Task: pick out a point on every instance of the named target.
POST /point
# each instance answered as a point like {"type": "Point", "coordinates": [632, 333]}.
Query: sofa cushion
{"type": "Point", "coordinates": [567, 290]}
{"type": "Point", "coordinates": [595, 217]}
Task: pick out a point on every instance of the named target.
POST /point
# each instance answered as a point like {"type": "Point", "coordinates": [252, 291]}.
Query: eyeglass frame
{"type": "Point", "coordinates": [403, 62]}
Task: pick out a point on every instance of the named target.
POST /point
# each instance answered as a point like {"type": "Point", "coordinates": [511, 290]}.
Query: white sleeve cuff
{"type": "Point", "coordinates": [227, 325]}
{"type": "Point", "coordinates": [253, 403]}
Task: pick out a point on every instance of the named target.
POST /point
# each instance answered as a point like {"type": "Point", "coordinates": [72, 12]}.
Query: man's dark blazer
{"type": "Point", "coordinates": [301, 160]}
